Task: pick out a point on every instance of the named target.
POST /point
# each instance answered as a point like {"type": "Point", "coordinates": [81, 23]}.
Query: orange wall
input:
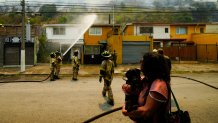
{"type": "Point", "coordinates": [191, 29]}
{"type": "Point", "coordinates": [129, 30]}
{"type": "Point", "coordinates": [115, 43]}
{"type": "Point", "coordinates": [205, 38]}
{"type": "Point", "coordinates": [94, 39]}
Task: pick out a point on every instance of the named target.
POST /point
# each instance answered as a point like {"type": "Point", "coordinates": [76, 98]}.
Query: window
{"type": "Point", "coordinates": [201, 30]}
{"type": "Point", "coordinates": [166, 30]}
{"type": "Point", "coordinates": [58, 31]}
{"type": "Point", "coordinates": [181, 30]}
{"type": "Point", "coordinates": [144, 30]}
{"type": "Point", "coordinates": [95, 31]}
{"type": "Point", "coordinates": [91, 50]}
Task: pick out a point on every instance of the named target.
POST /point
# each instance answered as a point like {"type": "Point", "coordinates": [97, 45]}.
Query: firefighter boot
{"type": "Point", "coordinates": [110, 102]}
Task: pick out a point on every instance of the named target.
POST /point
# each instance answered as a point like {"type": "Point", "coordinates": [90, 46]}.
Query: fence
{"type": "Point", "coordinates": [199, 52]}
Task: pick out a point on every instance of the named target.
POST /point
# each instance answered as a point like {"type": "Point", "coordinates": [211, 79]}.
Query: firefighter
{"type": "Point", "coordinates": [52, 66]}
{"type": "Point", "coordinates": [58, 61]}
{"type": "Point", "coordinates": [75, 65]}
{"type": "Point", "coordinates": [168, 61]}
{"type": "Point", "coordinates": [115, 58]}
{"type": "Point", "coordinates": [106, 72]}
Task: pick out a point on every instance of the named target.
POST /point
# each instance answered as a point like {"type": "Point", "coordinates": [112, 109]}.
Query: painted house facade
{"type": "Point", "coordinates": [96, 40]}
{"type": "Point", "coordinates": [159, 32]}
{"type": "Point", "coordinates": [65, 38]}
{"type": "Point", "coordinates": [115, 39]}
{"type": "Point", "coordinates": [182, 32]}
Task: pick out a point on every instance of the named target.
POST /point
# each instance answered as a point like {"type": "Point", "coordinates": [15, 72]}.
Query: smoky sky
{"type": "Point", "coordinates": [99, 1]}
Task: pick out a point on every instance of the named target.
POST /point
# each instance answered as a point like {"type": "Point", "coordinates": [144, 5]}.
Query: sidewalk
{"type": "Point", "coordinates": [87, 70]}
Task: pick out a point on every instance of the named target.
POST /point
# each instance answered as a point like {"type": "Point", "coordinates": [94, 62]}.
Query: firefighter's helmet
{"type": "Point", "coordinates": [106, 54]}
{"type": "Point", "coordinates": [57, 53]}
{"type": "Point", "coordinates": [76, 52]}
{"type": "Point", "coordinates": [52, 55]}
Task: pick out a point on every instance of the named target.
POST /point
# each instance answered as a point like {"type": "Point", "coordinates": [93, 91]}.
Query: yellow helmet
{"type": "Point", "coordinates": [106, 54]}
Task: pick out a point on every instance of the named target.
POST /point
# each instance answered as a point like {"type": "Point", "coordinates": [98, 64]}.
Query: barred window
{"type": "Point", "coordinates": [144, 30]}
{"type": "Point", "coordinates": [58, 31]}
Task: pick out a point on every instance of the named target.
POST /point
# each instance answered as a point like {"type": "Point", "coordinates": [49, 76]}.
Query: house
{"type": "Point", "coordinates": [66, 38]}
{"type": "Point", "coordinates": [182, 32]}
{"type": "Point", "coordinates": [10, 44]}
{"type": "Point", "coordinates": [112, 38]}
{"type": "Point", "coordinates": [96, 40]}
{"type": "Point", "coordinates": [207, 43]}
{"type": "Point", "coordinates": [160, 32]}
{"type": "Point", "coordinates": [133, 43]}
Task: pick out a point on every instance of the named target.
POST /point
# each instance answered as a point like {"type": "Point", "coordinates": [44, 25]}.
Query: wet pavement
{"type": "Point", "coordinates": [87, 70]}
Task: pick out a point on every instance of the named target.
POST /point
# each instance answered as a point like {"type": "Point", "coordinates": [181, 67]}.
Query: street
{"type": "Point", "coordinates": [66, 101]}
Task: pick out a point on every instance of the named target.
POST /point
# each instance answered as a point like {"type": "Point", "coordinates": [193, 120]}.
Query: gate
{"type": "Point", "coordinates": [12, 53]}
{"type": "Point", "coordinates": [134, 51]}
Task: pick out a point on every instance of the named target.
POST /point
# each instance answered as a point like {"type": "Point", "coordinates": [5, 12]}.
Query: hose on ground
{"type": "Point", "coordinates": [102, 114]}
{"type": "Point", "coordinates": [196, 81]}
{"type": "Point", "coordinates": [14, 81]}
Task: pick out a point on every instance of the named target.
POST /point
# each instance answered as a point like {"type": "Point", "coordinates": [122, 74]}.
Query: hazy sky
{"type": "Point", "coordinates": [85, 1]}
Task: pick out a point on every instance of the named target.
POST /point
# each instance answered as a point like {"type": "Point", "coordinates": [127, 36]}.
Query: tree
{"type": "Point", "coordinates": [62, 19]}
{"type": "Point", "coordinates": [48, 11]}
{"type": "Point", "coordinates": [43, 54]}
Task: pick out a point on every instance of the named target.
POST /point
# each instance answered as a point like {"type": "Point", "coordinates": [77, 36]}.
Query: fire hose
{"type": "Point", "coordinates": [13, 81]}
{"type": "Point", "coordinates": [196, 81]}
{"type": "Point", "coordinates": [102, 114]}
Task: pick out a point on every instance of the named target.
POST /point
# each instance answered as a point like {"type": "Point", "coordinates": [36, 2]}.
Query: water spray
{"type": "Point", "coordinates": [87, 22]}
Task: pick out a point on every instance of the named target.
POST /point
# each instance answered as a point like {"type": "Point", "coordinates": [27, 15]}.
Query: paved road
{"type": "Point", "coordinates": [66, 101]}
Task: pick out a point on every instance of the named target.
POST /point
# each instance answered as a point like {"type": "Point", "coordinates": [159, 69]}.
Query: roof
{"type": "Point", "coordinates": [105, 25]}
{"type": "Point", "coordinates": [169, 39]}
{"type": "Point", "coordinates": [165, 24]}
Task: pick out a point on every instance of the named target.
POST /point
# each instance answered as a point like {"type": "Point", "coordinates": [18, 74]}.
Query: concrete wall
{"type": "Point", "coordinates": [205, 38]}
{"type": "Point", "coordinates": [212, 28]}
{"type": "Point", "coordinates": [159, 32]}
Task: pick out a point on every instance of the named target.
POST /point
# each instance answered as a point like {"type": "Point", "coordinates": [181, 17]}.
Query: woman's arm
{"type": "Point", "coordinates": [152, 105]}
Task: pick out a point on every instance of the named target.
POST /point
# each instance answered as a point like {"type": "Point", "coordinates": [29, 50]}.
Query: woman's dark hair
{"type": "Point", "coordinates": [154, 67]}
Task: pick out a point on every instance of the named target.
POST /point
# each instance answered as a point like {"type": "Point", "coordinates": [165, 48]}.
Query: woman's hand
{"type": "Point", "coordinates": [124, 111]}
{"type": "Point", "coordinates": [126, 88]}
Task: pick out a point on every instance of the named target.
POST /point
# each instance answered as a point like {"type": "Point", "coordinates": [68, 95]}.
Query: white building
{"type": "Point", "coordinates": [159, 32]}
{"type": "Point", "coordinates": [68, 36]}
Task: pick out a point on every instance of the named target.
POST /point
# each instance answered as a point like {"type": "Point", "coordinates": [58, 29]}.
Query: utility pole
{"type": "Point", "coordinates": [22, 58]}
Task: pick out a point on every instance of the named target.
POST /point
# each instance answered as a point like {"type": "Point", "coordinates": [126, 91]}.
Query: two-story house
{"type": "Point", "coordinates": [66, 38]}
{"type": "Point", "coordinates": [96, 40]}
{"type": "Point", "coordinates": [160, 32]}
{"type": "Point", "coordinates": [128, 47]}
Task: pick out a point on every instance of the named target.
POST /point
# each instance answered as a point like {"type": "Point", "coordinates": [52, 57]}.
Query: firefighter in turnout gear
{"type": "Point", "coordinates": [106, 72]}
{"type": "Point", "coordinates": [75, 64]}
{"type": "Point", "coordinates": [58, 61]}
{"type": "Point", "coordinates": [52, 66]}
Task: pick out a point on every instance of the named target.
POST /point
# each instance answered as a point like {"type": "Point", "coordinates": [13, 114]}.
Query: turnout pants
{"type": "Point", "coordinates": [107, 88]}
